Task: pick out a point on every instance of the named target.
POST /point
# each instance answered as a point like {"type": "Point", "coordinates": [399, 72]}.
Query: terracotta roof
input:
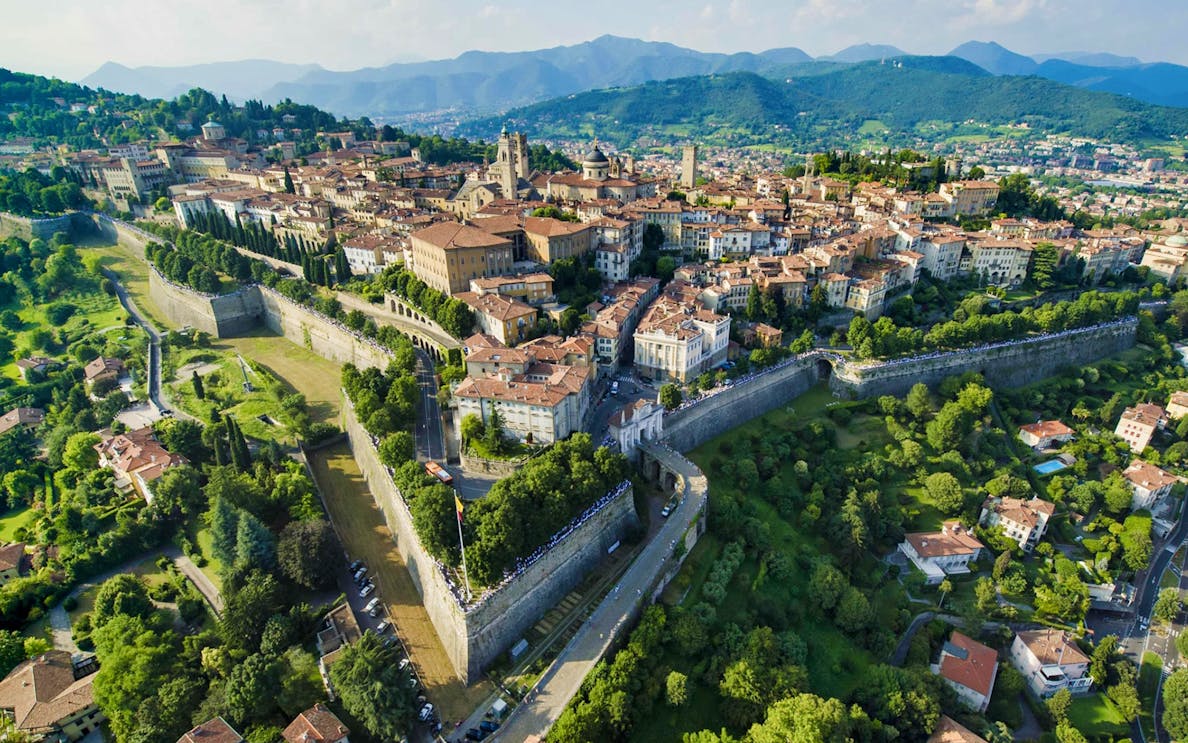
{"type": "Point", "coordinates": [969, 663]}
{"type": "Point", "coordinates": [212, 731]}
{"type": "Point", "coordinates": [1047, 429]}
{"type": "Point", "coordinates": [453, 235]}
{"type": "Point", "coordinates": [1148, 476]}
{"type": "Point", "coordinates": [550, 227]}
{"type": "Point", "coordinates": [43, 691]}
{"type": "Point", "coordinates": [481, 340]}
{"type": "Point", "coordinates": [1020, 511]}
{"type": "Point", "coordinates": [1052, 646]}
{"type": "Point", "coordinates": [21, 417]}
{"type": "Point", "coordinates": [315, 724]}
{"type": "Point", "coordinates": [12, 556]}
{"type": "Point", "coordinates": [1145, 413]}
{"type": "Point", "coordinates": [953, 539]}
{"type": "Point", "coordinates": [102, 365]}
{"type": "Point", "coordinates": [949, 730]}
{"type": "Point", "coordinates": [1177, 398]}
{"type": "Point", "coordinates": [497, 306]}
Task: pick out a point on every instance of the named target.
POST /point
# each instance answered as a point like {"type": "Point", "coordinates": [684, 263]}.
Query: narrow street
{"type": "Point", "coordinates": [429, 435]}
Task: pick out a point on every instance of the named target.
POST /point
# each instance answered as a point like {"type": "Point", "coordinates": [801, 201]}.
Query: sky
{"type": "Point", "coordinates": [71, 38]}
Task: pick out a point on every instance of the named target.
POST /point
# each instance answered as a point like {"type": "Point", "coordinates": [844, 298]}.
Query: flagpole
{"type": "Point", "coordinates": [462, 545]}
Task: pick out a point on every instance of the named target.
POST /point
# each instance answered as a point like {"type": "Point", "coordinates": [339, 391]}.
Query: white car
{"type": "Point", "coordinates": [426, 712]}
{"type": "Point", "coordinates": [371, 605]}
{"type": "Point", "coordinates": [383, 626]}
{"type": "Point", "coordinates": [367, 590]}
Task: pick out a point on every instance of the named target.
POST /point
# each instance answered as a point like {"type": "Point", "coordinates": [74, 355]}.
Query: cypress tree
{"type": "Point", "coordinates": [289, 182]}
{"type": "Point", "coordinates": [197, 382]}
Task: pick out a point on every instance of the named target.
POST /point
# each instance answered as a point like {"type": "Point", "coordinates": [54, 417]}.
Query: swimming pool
{"type": "Point", "coordinates": [1050, 466]}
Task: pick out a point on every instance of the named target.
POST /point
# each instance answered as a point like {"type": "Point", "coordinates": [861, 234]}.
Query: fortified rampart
{"type": "Point", "coordinates": [26, 228]}
{"type": "Point", "coordinates": [1007, 364]}
{"type": "Point", "coordinates": [475, 635]}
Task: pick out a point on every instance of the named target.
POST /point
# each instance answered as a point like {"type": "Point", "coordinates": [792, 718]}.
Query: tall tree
{"type": "Point", "coordinates": [373, 688]}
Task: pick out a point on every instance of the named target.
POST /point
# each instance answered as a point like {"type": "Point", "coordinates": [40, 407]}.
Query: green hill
{"type": "Point", "coordinates": [911, 96]}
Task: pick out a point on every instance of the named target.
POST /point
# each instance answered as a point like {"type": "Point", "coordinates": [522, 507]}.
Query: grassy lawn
{"type": "Point", "coordinates": [128, 262]}
{"type": "Point", "coordinates": [96, 311]}
{"type": "Point", "coordinates": [15, 519]}
{"type": "Point", "coordinates": [1095, 715]}
{"type": "Point", "coordinates": [1149, 674]}
{"type": "Point", "coordinates": [365, 536]}
{"type": "Point", "coordinates": [319, 379]}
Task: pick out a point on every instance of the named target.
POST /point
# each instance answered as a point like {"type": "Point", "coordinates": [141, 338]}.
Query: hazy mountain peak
{"type": "Point", "coordinates": [994, 57]}
{"type": "Point", "coordinates": [865, 53]}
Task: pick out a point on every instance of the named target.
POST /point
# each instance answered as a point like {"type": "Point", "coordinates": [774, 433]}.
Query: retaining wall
{"type": "Point", "coordinates": [1008, 364]}
{"type": "Point", "coordinates": [318, 333]}
{"type": "Point", "coordinates": [27, 228]}
{"type": "Point", "coordinates": [474, 636]}
{"type": "Point", "coordinates": [687, 428]}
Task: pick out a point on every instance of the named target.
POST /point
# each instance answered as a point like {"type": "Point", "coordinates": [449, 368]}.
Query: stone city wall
{"type": "Point", "coordinates": [322, 335]}
{"type": "Point", "coordinates": [689, 426]}
{"type": "Point", "coordinates": [1006, 364]}
{"type": "Point", "coordinates": [475, 636]}
{"type": "Point", "coordinates": [26, 229]}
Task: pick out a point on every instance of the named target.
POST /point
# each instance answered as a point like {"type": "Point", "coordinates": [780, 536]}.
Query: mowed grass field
{"type": "Point", "coordinates": [365, 535]}
{"type": "Point", "coordinates": [127, 261]}
{"type": "Point", "coordinates": [318, 378]}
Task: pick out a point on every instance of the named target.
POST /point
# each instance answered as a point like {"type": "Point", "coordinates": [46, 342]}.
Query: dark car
{"type": "Point", "coordinates": [476, 734]}
{"type": "Point", "coordinates": [488, 726]}
{"type": "Point", "coordinates": [356, 565]}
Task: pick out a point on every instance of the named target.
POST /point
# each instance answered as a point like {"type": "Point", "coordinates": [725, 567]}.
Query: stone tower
{"type": "Point", "coordinates": [689, 166]}
{"type": "Point", "coordinates": [504, 169]}
{"type": "Point", "coordinates": [520, 154]}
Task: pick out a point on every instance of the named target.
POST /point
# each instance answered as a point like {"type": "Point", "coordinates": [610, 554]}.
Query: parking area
{"type": "Point", "coordinates": [365, 536]}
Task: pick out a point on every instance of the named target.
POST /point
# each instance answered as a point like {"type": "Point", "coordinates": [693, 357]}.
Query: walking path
{"type": "Point", "coordinates": [204, 584]}
{"type": "Point", "coordinates": [563, 679]}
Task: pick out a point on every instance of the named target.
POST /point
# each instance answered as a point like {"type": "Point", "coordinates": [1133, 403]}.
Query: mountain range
{"type": "Point", "coordinates": [478, 82]}
{"type": "Point", "coordinates": [896, 100]}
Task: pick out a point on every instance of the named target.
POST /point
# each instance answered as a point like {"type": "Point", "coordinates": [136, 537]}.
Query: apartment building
{"type": "Point", "coordinates": [1024, 521]}
{"type": "Point", "coordinates": [1050, 661]}
{"type": "Point", "coordinates": [1149, 484]}
{"type": "Point", "coordinates": [678, 340]}
{"type": "Point", "coordinates": [1138, 425]}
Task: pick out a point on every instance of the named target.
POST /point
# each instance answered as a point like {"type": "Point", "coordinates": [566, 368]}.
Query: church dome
{"type": "Point", "coordinates": [596, 157]}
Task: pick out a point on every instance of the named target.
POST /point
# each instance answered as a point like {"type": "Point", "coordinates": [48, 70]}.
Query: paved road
{"type": "Point", "coordinates": [205, 586]}
{"type": "Point", "coordinates": [564, 677]}
{"type": "Point", "coordinates": [430, 442]}
{"type": "Point", "coordinates": [153, 366]}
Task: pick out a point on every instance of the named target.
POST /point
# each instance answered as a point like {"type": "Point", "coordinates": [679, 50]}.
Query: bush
{"type": "Point", "coordinates": [70, 604]}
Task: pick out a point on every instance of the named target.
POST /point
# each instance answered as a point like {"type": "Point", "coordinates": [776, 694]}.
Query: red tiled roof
{"type": "Point", "coordinates": [976, 670]}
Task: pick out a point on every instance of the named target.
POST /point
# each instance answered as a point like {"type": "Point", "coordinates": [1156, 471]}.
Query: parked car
{"type": "Point", "coordinates": [371, 605]}
{"type": "Point", "coordinates": [358, 577]}
{"type": "Point", "coordinates": [476, 734]}
{"type": "Point", "coordinates": [376, 610]}
{"type": "Point", "coordinates": [356, 565]}
{"type": "Point", "coordinates": [367, 590]}
{"type": "Point", "coordinates": [615, 387]}
{"type": "Point", "coordinates": [389, 641]}
{"type": "Point", "coordinates": [489, 726]}
{"type": "Point", "coordinates": [403, 664]}
{"type": "Point", "coordinates": [383, 626]}
{"type": "Point", "coordinates": [426, 712]}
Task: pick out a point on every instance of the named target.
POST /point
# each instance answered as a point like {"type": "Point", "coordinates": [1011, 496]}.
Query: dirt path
{"type": "Point", "coordinates": [365, 536]}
